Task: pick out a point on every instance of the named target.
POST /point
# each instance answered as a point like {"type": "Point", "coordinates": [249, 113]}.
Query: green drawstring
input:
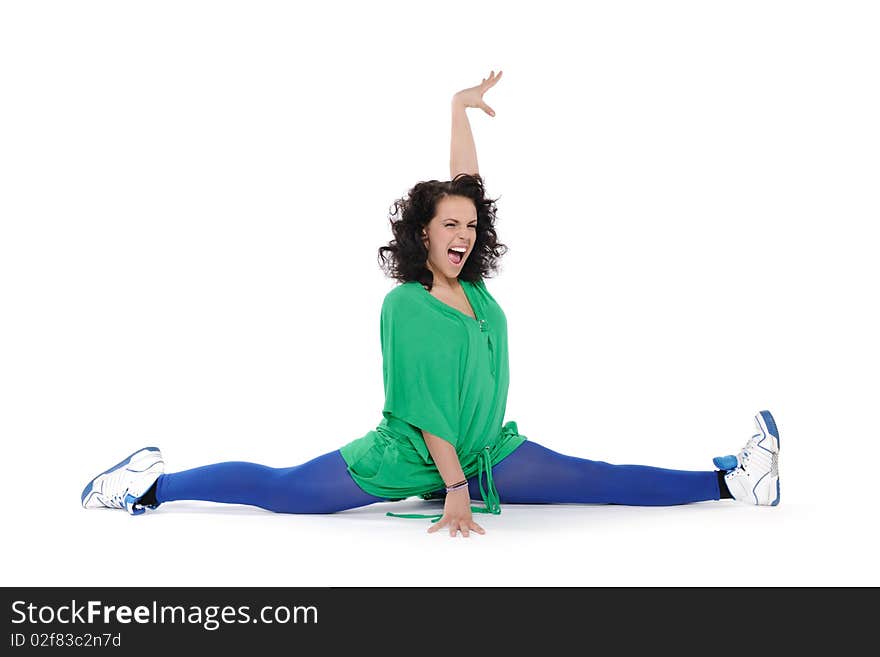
{"type": "Point", "coordinates": [490, 496]}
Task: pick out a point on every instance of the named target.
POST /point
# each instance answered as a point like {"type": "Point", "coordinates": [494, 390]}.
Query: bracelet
{"type": "Point", "coordinates": [461, 484]}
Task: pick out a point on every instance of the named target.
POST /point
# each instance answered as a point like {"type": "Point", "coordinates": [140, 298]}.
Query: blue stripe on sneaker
{"type": "Point", "coordinates": [88, 488]}
{"type": "Point", "coordinates": [767, 417]}
{"type": "Point", "coordinates": [762, 422]}
{"type": "Point", "coordinates": [771, 424]}
{"type": "Point", "coordinates": [131, 499]}
{"type": "Point", "coordinates": [86, 491]}
{"type": "Point", "coordinates": [763, 434]}
{"type": "Point", "coordinates": [756, 487]}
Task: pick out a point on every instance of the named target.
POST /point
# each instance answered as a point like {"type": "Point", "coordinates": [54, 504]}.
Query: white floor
{"type": "Point", "coordinates": [803, 541]}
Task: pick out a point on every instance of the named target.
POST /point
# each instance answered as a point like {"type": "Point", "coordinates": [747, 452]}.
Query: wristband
{"type": "Point", "coordinates": [461, 484]}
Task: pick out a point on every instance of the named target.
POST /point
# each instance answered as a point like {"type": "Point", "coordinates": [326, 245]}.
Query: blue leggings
{"type": "Point", "coordinates": [532, 474]}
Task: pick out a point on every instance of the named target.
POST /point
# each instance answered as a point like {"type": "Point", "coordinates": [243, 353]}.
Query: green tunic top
{"type": "Point", "coordinates": [444, 372]}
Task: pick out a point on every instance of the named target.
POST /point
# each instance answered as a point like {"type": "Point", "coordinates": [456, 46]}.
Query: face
{"type": "Point", "coordinates": [454, 225]}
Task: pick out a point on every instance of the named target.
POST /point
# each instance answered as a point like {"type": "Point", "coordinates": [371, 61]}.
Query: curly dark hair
{"type": "Point", "coordinates": [405, 256]}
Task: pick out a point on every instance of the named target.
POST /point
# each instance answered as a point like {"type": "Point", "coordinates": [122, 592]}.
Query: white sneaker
{"type": "Point", "coordinates": [753, 474]}
{"type": "Point", "coordinates": [125, 483]}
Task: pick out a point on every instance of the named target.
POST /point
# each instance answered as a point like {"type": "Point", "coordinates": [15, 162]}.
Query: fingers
{"type": "Point", "coordinates": [455, 526]}
{"type": "Point", "coordinates": [485, 85]}
{"type": "Point", "coordinates": [492, 79]}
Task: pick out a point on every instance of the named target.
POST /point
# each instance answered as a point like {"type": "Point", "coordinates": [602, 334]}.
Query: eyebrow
{"type": "Point", "coordinates": [456, 220]}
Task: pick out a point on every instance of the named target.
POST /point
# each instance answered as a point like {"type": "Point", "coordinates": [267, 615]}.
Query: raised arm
{"type": "Point", "coordinates": [463, 152]}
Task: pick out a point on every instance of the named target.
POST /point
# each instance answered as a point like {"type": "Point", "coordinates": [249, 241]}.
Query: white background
{"type": "Point", "coordinates": [192, 196]}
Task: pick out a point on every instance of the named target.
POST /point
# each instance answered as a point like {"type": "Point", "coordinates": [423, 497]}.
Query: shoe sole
{"type": "Point", "coordinates": [125, 461]}
{"type": "Point", "coordinates": [768, 426]}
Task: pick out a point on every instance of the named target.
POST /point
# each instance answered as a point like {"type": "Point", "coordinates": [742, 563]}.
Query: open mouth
{"type": "Point", "coordinates": [455, 256]}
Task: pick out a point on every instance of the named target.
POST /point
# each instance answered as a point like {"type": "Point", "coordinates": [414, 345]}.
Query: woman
{"type": "Point", "coordinates": [445, 369]}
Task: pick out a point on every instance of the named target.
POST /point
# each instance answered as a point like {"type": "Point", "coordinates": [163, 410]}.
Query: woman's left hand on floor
{"type": "Point", "coordinates": [457, 515]}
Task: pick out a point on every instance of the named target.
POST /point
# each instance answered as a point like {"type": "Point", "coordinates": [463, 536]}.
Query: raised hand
{"type": "Point", "coordinates": [473, 96]}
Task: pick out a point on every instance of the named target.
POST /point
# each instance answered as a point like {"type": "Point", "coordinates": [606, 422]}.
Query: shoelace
{"type": "Point", "coordinates": [119, 499]}
{"type": "Point", "coordinates": [743, 456]}
{"type": "Point", "coordinates": [115, 500]}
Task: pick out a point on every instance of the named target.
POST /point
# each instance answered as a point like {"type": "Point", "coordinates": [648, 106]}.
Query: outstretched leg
{"type": "Point", "coordinates": [322, 485]}
{"type": "Point", "coordinates": [533, 474]}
